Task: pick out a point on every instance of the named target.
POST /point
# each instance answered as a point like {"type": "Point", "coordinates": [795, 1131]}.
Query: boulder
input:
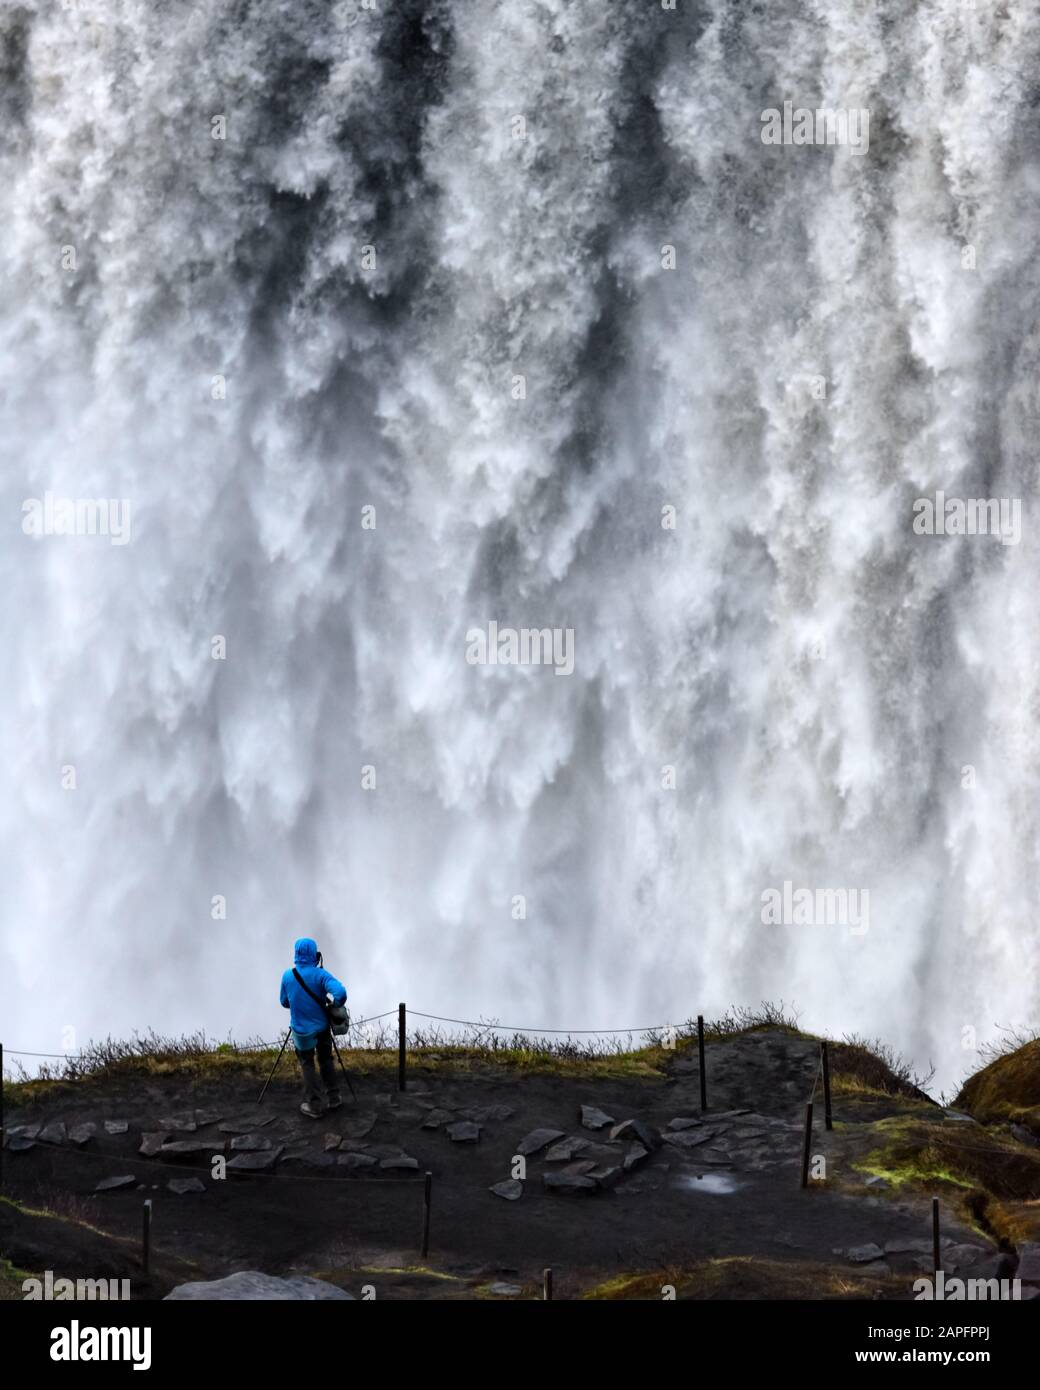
{"type": "Point", "coordinates": [538, 1139]}
{"type": "Point", "coordinates": [53, 1133]}
{"type": "Point", "coordinates": [569, 1184]}
{"type": "Point", "coordinates": [463, 1132]}
{"type": "Point", "coordinates": [592, 1117]}
{"type": "Point", "coordinates": [114, 1184]}
{"type": "Point", "coordinates": [249, 1285]}
{"type": "Point", "coordinates": [511, 1189]}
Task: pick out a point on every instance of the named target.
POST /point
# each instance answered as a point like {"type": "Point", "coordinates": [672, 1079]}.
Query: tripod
{"type": "Point", "coordinates": [339, 1059]}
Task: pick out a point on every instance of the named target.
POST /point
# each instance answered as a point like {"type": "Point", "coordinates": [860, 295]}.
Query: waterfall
{"type": "Point", "coordinates": [388, 322]}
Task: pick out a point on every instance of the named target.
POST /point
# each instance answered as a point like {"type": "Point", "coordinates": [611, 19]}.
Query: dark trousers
{"type": "Point", "coordinates": [329, 1078]}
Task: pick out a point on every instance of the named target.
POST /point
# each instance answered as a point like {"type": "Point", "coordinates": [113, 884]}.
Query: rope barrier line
{"type": "Point", "coordinates": [185, 1171]}
{"type": "Point", "coordinates": [530, 1029]}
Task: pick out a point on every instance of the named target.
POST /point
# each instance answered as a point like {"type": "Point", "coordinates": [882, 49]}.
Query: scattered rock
{"type": "Point", "coordinates": [637, 1130]}
{"type": "Point", "coordinates": [908, 1245]}
{"type": "Point", "coordinates": [151, 1144]}
{"type": "Point", "coordinates": [1023, 1135]}
{"type": "Point", "coordinates": [605, 1176]}
{"type": "Point", "coordinates": [592, 1117]}
{"type": "Point", "coordinates": [255, 1143]}
{"type": "Point", "coordinates": [113, 1184]}
{"type": "Point", "coordinates": [180, 1186]}
{"type": "Point", "coordinates": [353, 1161]}
{"type": "Point", "coordinates": [538, 1139]}
{"type": "Point", "coordinates": [184, 1124]}
{"type": "Point", "coordinates": [401, 1161]}
{"type": "Point", "coordinates": [504, 1290]}
{"type": "Point", "coordinates": [331, 1141]}
{"type": "Point", "coordinates": [253, 1162]}
{"type": "Point", "coordinates": [436, 1118]}
{"type": "Point", "coordinates": [250, 1285]}
{"type": "Point", "coordinates": [569, 1183]}
{"type": "Point", "coordinates": [186, 1148]}
{"type": "Point", "coordinates": [116, 1126]}
{"type": "Point", "coordinates": [359, 1127]}
{"type": "Point", "coordinates": [684, 1122]}
{"type": "Point", "coordinates": [688, 1138]}
{"type": "Point", "coordinates": [581, 1167]}
{"type": "Point", "coordinates": [310, 1158]}
{"type": "Point", "coordinates": [24, 1132]}
{"type": "Point", "coordinates": [511, 1189]}
{"type": "Point", "coordinates": [463, 1132]}
{"type": "Point", "coordinates": [565, 1150]}
{"type": "Point", "coordinates": [861, 1254]}
{"type": "Point", "coordinates": [206, 1117]}
{"type": "Point", "coordinates": [245, 1126]}
{"type": "Point", "coordinates": [19, 1144]}
{"type": "Point", "coordinates": [734, 1114]}
{"type": "Point", "coordinates": [54, 1133]}
{"type": "Point", "coordinates": [634, 1154]}
{"type": "Point", "coordinates": [1029, 1262]}
{"type": "Point", "coordinates": [876, 1180]}
{"type": "Point", "coordinates": [82, 1134]}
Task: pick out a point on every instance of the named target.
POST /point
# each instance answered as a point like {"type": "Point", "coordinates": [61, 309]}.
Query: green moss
{"type": "Point", "coordinates": [1007, 1089]}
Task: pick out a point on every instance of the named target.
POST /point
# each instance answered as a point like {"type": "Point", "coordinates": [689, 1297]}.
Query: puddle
{"type": "Point", "coordinates": [713, 1184]}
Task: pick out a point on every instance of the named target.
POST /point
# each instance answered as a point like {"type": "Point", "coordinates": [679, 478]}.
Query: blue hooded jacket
{"type": "Point", "coordinates": [306, 1018]}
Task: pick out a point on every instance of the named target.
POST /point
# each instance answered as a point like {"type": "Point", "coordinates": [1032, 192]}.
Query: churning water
{"type": "Point", "coordinates": [518, 277]}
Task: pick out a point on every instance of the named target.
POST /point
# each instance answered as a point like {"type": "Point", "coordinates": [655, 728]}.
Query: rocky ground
{"type": "Point", "coordinates": [624, 1187]}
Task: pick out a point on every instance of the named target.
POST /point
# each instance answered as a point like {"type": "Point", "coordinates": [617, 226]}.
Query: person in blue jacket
{"type": "Point", "coordinates": [305, 990]}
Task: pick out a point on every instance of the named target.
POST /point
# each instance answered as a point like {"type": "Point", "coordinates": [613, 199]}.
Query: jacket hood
{"type": "Point", "coordinates": [305, 952]}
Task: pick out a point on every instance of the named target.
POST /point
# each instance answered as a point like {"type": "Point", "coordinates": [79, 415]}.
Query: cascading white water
{"type": "Point", "coordinates": [370, 259]}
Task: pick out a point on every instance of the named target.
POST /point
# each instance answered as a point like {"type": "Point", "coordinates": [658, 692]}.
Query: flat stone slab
{"type": "Point", "coordinates": [355, 1161]}
{"type": "Point", "coordinates": [182, 1186]}
{"type": "Point", "coordinates": [54, 1133]}
{"type": "Point", "coordinates": [310, 1158]}
{"type": "Point", "coordinates": [861, 1254]}
{"type": "Point", "coordinates": [688, 1138]}
{"type": "Point", "coordinates": [592, 1117]}
{"type": "Point", "coordinates": [207, 1117]}
{"type": "Point", "coordinates": [638, 1131]}
{"type": "Point", "coordinates": [82, 1134]}
{"type": "Point", "coordinates": [684, 1122]}
{"type": "Point", "coordinates": [606, 1176]}
{"type": "Point", "coordinates": [19, 1144]}
{"type": "Point", "coordinates": [24, 1132]}
{"type": "Point", "coordinates": [463, 1132]}
{"type": "Point", "coordinates": [566, 1150]}
{"type": "Point", "coordinates": [505, 1290]}
{"type": "Point", "coordinates": [360, 1126]}
{"type": "Point", "coordinates": [116, 1126]}
{"type": "Point", "coordinates": [401, 1161]}
{"type": "Point", "coordinates": [436, 1118]}
{"type": "Point", "coordinates": [183, 1123]}
{"type": "Point", "coordinates": [511, 1189]}
{"type": "Point", "coordinates": [151, 1144]}
{"type": "Point", "coordinates": [246, 1125]}
{"type": "Point", "coordinates": [483, 1114]}
{"type": "Point", "coordinates": [634, 1154]}
{"type": "Point", "coordinates": [538, 1139]}
{"type": "Point", "coordinates": [569, 1184]}
{"type": "Point", "coordinates": [186, 1148]}
{"type": "Point", "coordinates": [253, 1143]}
{"type": "Point", "coordinates": [114, 1184]}
{"type": "Point", "coordinates": [252, 1286]}
{"type": "Point", "coordinates": [253, 1162]}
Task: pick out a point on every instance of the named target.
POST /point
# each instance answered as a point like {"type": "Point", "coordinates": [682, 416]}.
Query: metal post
{"type": "Point", "coordinates": [700, 1054]}
{"type": "Point", "coordinates": [826, 1088]}
{"type": "Point", "coordinates": [546, 1285]}
{"type": "Point", "coordinates": [146, 1235]}
{"type": "Point", "coordinates": [936, 1257]}
{"type": "Point", "coordinates": [807, 1146]}
{"type": "Point", "coordinates": [427, 1194]}
{"type": "Point", "coordinates": [402, 1028]}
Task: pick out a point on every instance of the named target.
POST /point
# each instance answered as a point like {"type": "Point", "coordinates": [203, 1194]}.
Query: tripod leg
{"type": "Point", "coordinates": [274, 1068]}
{"type": "Point", "coordinates": [346, 1073]}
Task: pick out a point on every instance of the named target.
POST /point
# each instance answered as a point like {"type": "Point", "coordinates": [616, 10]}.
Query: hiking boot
{"type": "Point", "coordinates": [334, 1100]}
{"type": "Point", "coordinates": [308, 1108]}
